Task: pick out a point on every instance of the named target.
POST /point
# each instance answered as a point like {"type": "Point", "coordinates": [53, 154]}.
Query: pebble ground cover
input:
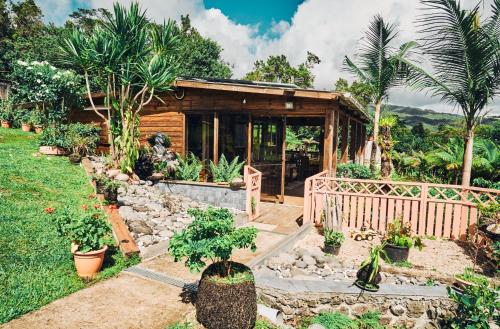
{"type": "Point", "coordinates": [36, 266]}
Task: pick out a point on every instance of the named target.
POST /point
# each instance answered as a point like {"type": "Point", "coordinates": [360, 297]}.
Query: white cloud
{"type": "Point", "coordinates": [329, 28]}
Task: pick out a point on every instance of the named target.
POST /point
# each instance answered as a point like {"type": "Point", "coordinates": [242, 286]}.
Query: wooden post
{"type": "Point", "coordinates": [249, 140]}
{"type": "Point", "coordinates": [344, 143]}
{"type": "Point", "coordinates": [363, 144]}
{"type": "Point", "coordinates": [335, 143]}
{"type": "Point", "coordinates": [352, 143]}
{"type": "Point", "coordinates": [328, 141]}
{"type": "Point", "coordinates": [423, 209]}
{"type": "Point", "coordinates": [216, 138]}
{"type": "Point", "coordinates": [283, 161]}
{"type": "Point", "coordinates": [359, 141]}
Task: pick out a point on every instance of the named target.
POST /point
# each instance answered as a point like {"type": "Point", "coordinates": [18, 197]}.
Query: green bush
{"type": "Point", "coordinates": [6, 110]}
{"type": "Point", "coordinates": [399, 234]}
{"type": "Point", "coordinates": [212, 235]}
{"type": "Point", "coordinates": [354, 171]}
{"type": "Point", "coordinates": [54, 136]}
{"type": "Point", "coordinates": [475, 307]}
{"type": "Point", "coordinates": [225, 171]}
{"type": "Point", "coordinates": [189, 168]}
{"type": "Point", "coordinates": [337, 320]}
{"type": "Point", "coordinates": [334, 238]}
{"type": "Point", "coordinates": [83, 139]}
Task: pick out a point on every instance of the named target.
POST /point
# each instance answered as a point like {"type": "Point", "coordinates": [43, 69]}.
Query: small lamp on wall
{"type": "Point", "coordinates": [289, 104]}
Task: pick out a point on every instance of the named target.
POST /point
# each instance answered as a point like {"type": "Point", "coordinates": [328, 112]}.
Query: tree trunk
{"type": "Point", "coordinates": [376, 120]}
{"type": "Point", "coordinates": [467, 164]}
{"type": "Point", "coordinates": [385, 150]}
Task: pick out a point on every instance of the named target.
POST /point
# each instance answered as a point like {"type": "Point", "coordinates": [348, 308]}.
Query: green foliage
{"type": "Point", "coordinates": [264, 324]}
{"type": "Point", "coordinates": [399, 234]}
{"type": "Point", "coordinates": [404, 264]}
{"type": "Point", "coordinates": [36, 265]}
{"type": "Point", "coordinates": [83, 139]}
{"type": "Point", "coordinates": [470, 276]}
{"type": "Point", "coordinates": [180, 325]}
{"type": "Point", "coordinates": [372, 263]}
{"type": "Point", "coordinates": [189, 168]}
{"type": "Point", "coordinates": [353, 170]}
{"type": "Point", "coordinates": [54, 136]}
{"type": "Point", "coordinates": [475, 307]}
{"type": "Point", "coordinates": [104, 183]}
{"type": "Point", "coordinates": [225, 171]}
{"type": "Point", "coordinates": [212, 235]}
{"type": "Point", "coordinates": [6, 110]}
{"type": "Point", "coordinates": [337, 320]}
{"type": "Point", "coordinates": [334, 238]}
{"type": "Point", "coordinates": [359, 90]}
{"type": "Point", "coordinates": [278, 69]}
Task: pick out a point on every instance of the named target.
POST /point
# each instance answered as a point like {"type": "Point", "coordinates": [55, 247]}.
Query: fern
{"type": "Point", "coordinates": [189, 168]}
{"type": "Point", "coordinates": [225, 171]}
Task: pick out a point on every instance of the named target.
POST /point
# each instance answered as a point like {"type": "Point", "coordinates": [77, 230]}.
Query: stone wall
{"type": "Point", "coordinates": [303, 299]}
{"type": "Point", "coordinates": [214, 194]}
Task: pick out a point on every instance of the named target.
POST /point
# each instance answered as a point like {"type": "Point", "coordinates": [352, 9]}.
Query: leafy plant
{"type": "Point", "coordinates": [354, 171]}
{"type": "Point", "coordinates": [189, 168]}
{"type": "Point", "coordinates": [212, 235]}
{"type": "Point", "coordinates": [54, 136]}
{"type": "Point", "coordinates": [470, 276]}
{"type": "Point", "coordinates": [37, 118]}
{"type": "Point", "coordinates": [6, 110]}
{"type": "Point", "coordinates": [335, 320]}
{"type": "Point", "coordinates": [369, 320]}
{"type": "Point", "coordinates": [333, 238]}
{"type": "Point", "coordinates": [371, 267]}
{"type": "Point", "coordinates": [225, 171]}
{"type": "Point", "coordinates": [475, 307]}
{"type": "Point", "coordinates": [90, 229]}
{"type": "Point", "coordinates": [82, 138]}
{"type": "Point", "coordinates": [399, 234]}
{"type": "Point", "coordinates": [106, 184]}
{"type": "Point", "coordinates": [180, 325]}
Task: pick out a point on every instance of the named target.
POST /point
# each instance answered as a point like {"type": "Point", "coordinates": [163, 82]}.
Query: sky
{"type": "Point", "coordinates": [248, 30]}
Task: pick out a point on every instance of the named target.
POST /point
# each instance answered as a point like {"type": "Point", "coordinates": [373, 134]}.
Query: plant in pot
{"type": "Point", "coordinates": [398, 241]}
{"type": "Point", "coordinates": [368, 275]}
{"type": "Point", "coordinates": [37, 120]}
{"type": "Point", "coordinates": [227, 172]}
{"type": "Point", "coordinates": [6, 113]}
{"type": "Point", "coordinates": [82, 140]}
{"type": "Point", "coordinates": [226, 295]}
{"type": "Point", "coordinates": [53, 141]}
{"type": "Point", "coordinates": [107, 186]}
{"type": "Point", "coordinates": [25, 119]}
{"type": "Point", "coordinates": [469, 278]}
{"type": "Point", "coordinates": [90, 234]}
{"type": "Point", "coordinates": [333, 241]}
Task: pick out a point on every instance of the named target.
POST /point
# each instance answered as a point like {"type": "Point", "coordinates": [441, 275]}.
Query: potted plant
{"type": "Point", "coordinates": [53, 141]}
{"type": "Point", "coordinates": [368, 275]}
{"type": "Point", "coordinates": [82, 140]}
{"type": "Point", "coordinates": [6, 113]}
{"type": "Point", "coordinates": [90, 234]}
{"type": "Point", "coordinates": [226, 295]}
{"type": "Point", "coordinates": [37, 120]}
{"type": "Point", "coordinates": [398, 241]}
{"type": "Point", "coordinates": [24, 117]}
{"type": "Point", "coordinates": [333, 241]}
{"type": "Point", "coordinates": [107, 186]}
{"type": "Point", "coordinates": [469, 278]}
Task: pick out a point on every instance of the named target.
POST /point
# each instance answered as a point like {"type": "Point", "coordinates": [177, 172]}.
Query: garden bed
{"type": "Point", "coordinates": [36, 262]}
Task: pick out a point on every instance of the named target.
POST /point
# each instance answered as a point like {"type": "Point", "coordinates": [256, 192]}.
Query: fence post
{"type": "Point", "coordinates": [424, 188]}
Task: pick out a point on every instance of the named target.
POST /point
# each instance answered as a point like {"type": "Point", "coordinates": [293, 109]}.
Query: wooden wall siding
{"type": "Point", "coordinates": [443, 211]}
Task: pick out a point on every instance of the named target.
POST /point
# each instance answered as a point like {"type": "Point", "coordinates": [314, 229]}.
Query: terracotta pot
{"type": "Point", "coordinates": [89, 264]}
{"type": "Point", "coordinates": [6, 124]}
{"type": "Point", "coordinates": [26, 127]}
{"type": "Point", "coordinates": [52, 150]}
{"type": "Point", "coordinates": [38, 130]}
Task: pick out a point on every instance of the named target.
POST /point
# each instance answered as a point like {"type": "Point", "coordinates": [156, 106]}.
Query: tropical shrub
{"type": "Point", "coordinates": [37, 118]}
{"type": "Point", "coordinates": [54, 136]}
{"type": "Point", "coordinates": [353, 170]}
{"type": "Point", "coordinates": [213, 236]}
{"type": "Point", "coordinates": [399, 234]}
{"type": "Point", "coordinates": [333, 238]}
{"type": "Point", "coordinates": [189, 168]}
{"type": "Point", "coordinates": [83, 139]}
{"type": "Point", "coordinates": [225, 171]}
{"type": "Point", "coordinates": [6, 110]}
{"type": "Point", "coordinates": [105, 184]}
{"type": "Point", "coordinates": [476, 306]}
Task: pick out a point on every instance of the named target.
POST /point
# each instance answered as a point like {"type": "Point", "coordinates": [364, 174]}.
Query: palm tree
{"type": "Point", "coordinates": [131, 60]}
{"type": "Point", "coordinates": [378, 66]}
{"type": "Point", "coordinates": [465, 56]}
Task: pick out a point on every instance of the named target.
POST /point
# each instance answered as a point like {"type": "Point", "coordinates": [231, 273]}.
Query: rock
{"type": "Point", "coordinates": [415, 309]}
{"type": "Point", "coordinates": [126, 212]}
{"type": "Point", "coordinates": [300, 264]}
{"type": "Point", "coordinates": [264, 271]}
{"type": "Point", "coordinates": [337, 276]}
{"type": "Point", "coordinates": [297, 272]}
{"type": "Point", "coordinates": [140, 208]}
{"type": "Point", "coordinates": [308, 260]}
{"type": "Point", "coordinates": [154, 206]}
{"type": "Point", "coordinates": [316, 326]}
{"type": "Point", "coordinates": [156, 177]}
{"type": "Point", "coordinates": [140, 226]}
{"type": "Point", "coordinates": [145, 240]}
{"type": "Point", "coordinates": [397, 309]}
{"type": "Point", "coordinates": [237, 182]}
{"type": "Point", "coordinates": [122, 177]}
{"type": "Point", "coordinates": [166, 234]}
{"type": "Point", "coordinates": [283, 260]}
{"type": "Point", "coordinates": [112, 173]}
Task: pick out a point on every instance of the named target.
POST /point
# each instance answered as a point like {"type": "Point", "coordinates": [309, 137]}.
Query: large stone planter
{"type": "Point", "coordinates": [52, 150]}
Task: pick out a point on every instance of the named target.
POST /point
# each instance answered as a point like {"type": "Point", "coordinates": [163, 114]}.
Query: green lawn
{"type": "Point", "coordinates": [36, 266]}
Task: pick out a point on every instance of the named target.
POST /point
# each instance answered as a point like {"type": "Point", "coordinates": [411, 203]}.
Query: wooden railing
{"type": "Point", "coordinates": [447, 211]}
{"type": "Point", "coordinates": [253, 181]}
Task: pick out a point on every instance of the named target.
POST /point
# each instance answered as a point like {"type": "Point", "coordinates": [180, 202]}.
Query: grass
{"type": "Point", "coordinates": [337, 320]}
{"type": "Point", "coordinates": [36, 266]}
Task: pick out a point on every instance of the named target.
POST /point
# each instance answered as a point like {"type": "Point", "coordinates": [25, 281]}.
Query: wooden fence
{"type": "Point", "coordinates": [447, 211]}
{"type": "Point", "coordinates": [253, 180]}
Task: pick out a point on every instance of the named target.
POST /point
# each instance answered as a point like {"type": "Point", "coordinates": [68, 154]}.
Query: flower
{"type": "Point", "coordinates": [97, 206]}
{"type": "Point", "coordinates": [85, 207]}
{"type": "Point", "coordinates": [49, 210]}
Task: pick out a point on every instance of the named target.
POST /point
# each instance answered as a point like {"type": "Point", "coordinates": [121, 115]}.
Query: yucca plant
{"type": "Point", "coordinates": [464, 52]}
{"type": "Point", "coordinates": [378, 66]}
{"type": "Point", "coordinates": [189, 168]}
{"type": "Point", "coordinates": [225, 171]}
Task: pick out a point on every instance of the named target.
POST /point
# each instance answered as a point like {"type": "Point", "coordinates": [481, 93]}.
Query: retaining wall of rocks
{"type": "Point", "coordinates": [410, 307]}
{"type": "Point", "coordinates": [210, 193]}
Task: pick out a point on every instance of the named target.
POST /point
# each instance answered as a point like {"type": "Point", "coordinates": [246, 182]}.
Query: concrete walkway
{"type": "Point", "coordinates": [147, 296]}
